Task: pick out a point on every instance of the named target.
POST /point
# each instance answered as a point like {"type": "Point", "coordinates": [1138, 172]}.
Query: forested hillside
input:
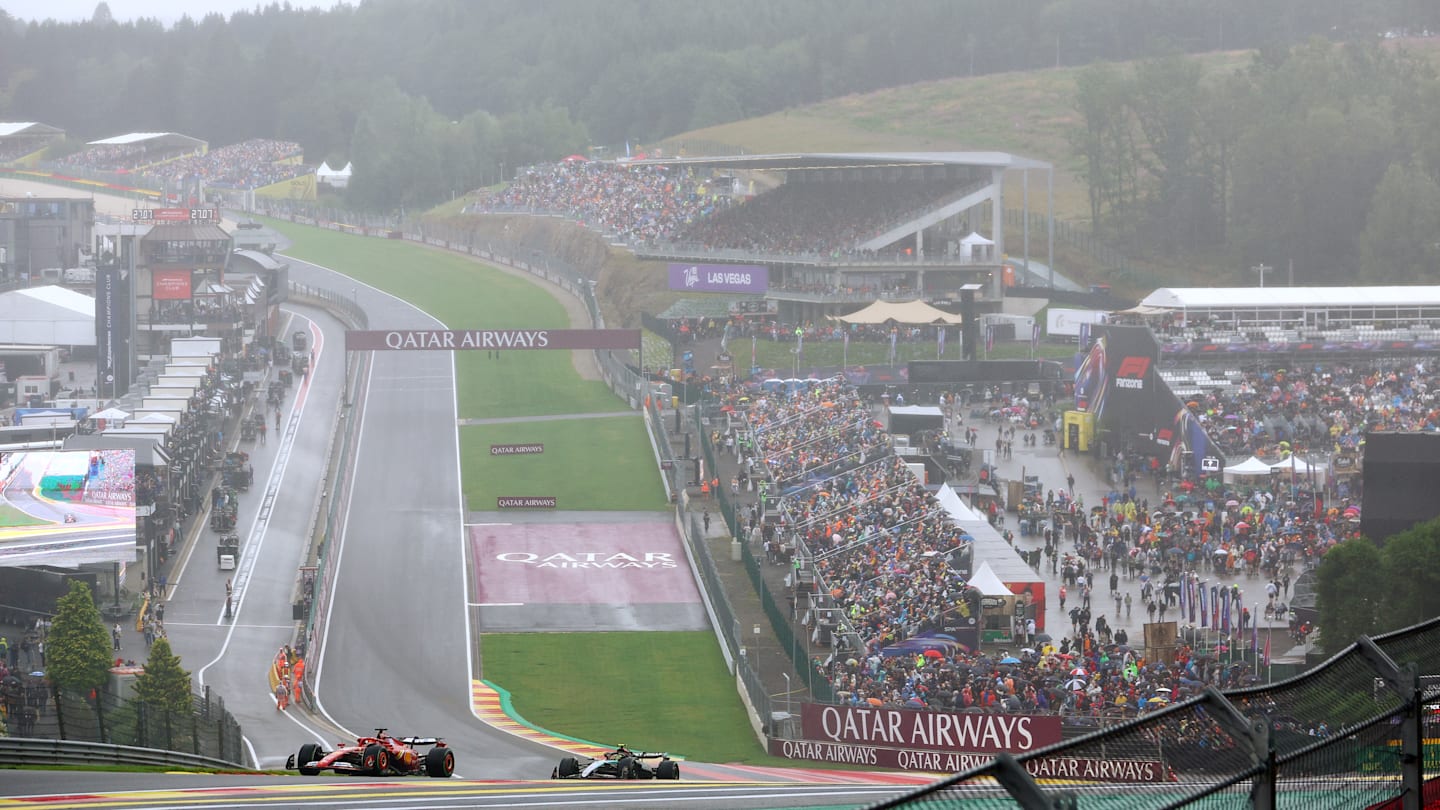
{"type": "Point", "coordinates": [468, 90]}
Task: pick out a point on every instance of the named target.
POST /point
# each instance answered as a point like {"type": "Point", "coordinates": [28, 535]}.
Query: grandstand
{"type": "Point", "coordinates": [20, 139]}
{"type": "Point", "coordinates": [136, 150]}
{"type": "Point", "coordinates": [833, 230]}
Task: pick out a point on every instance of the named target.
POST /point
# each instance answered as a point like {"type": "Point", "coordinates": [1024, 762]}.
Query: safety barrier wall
{"type": "Point", "coordinates": [327, 518]}
{"type": "Point", "coordinates": [34, 752]}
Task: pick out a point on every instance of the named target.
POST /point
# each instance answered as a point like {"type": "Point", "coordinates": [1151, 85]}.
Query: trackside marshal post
{"type": "Point", "coordinates": [444, 340]}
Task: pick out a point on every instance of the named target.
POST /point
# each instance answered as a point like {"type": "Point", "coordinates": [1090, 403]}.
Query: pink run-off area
{"type": "Point", "coordinates": [581, 564]}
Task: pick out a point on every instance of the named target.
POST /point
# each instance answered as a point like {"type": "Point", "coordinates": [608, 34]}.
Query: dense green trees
{"type": "Point", "coordinates": [1366, 589]}
{"type": "Point", "coordinates": [1313, 156]}
{"type": "Point", "coordinates": [535, 80]}
{"type": "Point", "coordinates": [164, 687]}
{"type": "Point", "coordinates": [78, 648]}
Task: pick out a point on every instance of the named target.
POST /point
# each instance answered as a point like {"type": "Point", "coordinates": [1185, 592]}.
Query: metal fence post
{"type": "Point", "coordinates": [1405, 681]}
{"type": "Point", "coordinates": [1257, 735]}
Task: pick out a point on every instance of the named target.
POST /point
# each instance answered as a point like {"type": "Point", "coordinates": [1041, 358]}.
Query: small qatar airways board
{"type": "Point", "coordinates": [444, 340]}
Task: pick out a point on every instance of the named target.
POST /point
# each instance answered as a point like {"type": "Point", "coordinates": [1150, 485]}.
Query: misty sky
{"type": "Point", "coordinates": [167, 11]}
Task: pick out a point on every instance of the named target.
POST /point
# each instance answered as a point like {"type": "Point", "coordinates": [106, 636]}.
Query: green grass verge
{"type": "Point", "coordinates": [1027, 113]}
{"type": "Point", "coordinates": [781, 356]}
{"type": "Point", "coordinates": [11, 517]}
{"type": "Point", "coordinates": [662, 691]}
{"type": "Point", "coordinates": [465, 294]}
{"type": "Point", "coordinates": [588, 464]}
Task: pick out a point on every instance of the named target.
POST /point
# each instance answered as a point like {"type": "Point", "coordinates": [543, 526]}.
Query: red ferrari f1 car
{"type": "Point", "coordinates": [380, 755]}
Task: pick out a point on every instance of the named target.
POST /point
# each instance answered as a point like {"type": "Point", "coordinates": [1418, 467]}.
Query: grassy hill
{"type": "Point", "coordinates": [1027, 114]}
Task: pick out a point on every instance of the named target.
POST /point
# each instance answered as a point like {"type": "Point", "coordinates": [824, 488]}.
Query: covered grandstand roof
{"type": "Point", "coordinates": [151, 139]}
{"type": "Point", "coordinates": [263, 260]}
{"type": "Point", "coordinates": [1291, 297]}
{"type": "Point", "coordinates": [28, 128]}
{"type": "Point", "coordinates": [854, 160]}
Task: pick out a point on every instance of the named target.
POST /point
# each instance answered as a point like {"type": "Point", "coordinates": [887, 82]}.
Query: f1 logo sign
{"type": "Point", "coordinates": [1131, 373]}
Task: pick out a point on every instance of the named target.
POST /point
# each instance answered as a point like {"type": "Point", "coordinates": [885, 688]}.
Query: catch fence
{"type": "Point", "coordinates": [36, 708]}
{"type": "Point", "coordinates": [1349, 733]}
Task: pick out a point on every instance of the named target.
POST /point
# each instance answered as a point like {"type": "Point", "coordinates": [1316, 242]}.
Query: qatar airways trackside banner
{"type": "Point", "coordinates": [938, 731]}
{"type": "Point", "coordinates": [1087, 769]}
{"type": "Point", "coordinates": [444, 340]}
{"type": "Point", "coordinates": [731, 278]}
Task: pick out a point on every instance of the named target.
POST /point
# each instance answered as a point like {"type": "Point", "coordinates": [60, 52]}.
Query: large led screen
{"type": "Point", "coordinates": [67, 507]}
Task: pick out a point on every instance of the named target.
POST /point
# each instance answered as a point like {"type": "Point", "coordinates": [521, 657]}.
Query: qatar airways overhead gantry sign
{"type": "Point", "coordinates": [444, 340]}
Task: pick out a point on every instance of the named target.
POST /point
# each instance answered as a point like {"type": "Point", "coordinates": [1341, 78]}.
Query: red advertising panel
{"type": "Point", "coordinates": [170, 285]}
{"type": "Point", "coordinates": [935, 731]}
{"type": "Point", "coordinates": [445, 340]}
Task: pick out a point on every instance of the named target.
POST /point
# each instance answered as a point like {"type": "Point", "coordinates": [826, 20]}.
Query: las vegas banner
{"type": "Point", "coordinates": [947, 742]}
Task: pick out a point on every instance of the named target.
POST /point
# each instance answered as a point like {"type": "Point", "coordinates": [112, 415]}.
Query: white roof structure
{"type": "Point", "coordinates": [1292, 297]}
{"type": "Point", "coordinates": [975, 239]}
{"type": "Point", "coordinates": [987, 582]}
{"type": "Point", "coordinates": [1294, 464]}
{"type": "Point", "coordinates": [325, 171]}
{"type": "Point", "coordinates": [47, 316]}
{"type": "Point", "coordinates": [841, 160]}
{"type": "Point", "coordinates": [989, 547]}
{"type": "Point", "coordinates": [153, 138]}
{"type": "Point", "coordinates": [27, 128]}
{"type": "Point", "coordinates": [1250, 466]}
{"type": "Point", "coordinates": [901, 312]}
{"type": "Point", "coordinates": [916, 410]}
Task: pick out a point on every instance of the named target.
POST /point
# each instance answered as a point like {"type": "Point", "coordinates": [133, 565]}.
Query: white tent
{"type": "Point", "coordinates": [47, 316]}
{"type": "Point", "coordinates": [1318, 473]}
{"type": "Point", "coordinates": [988, 583]}
{"type": "Point", "coordinates": [954, 506]}
{"type": "Point", "coordinates": [1294, 464]}
{"type": "Point", "coordinates": [901, 312]}
{"type": "Point", "coordinates": [977, 247]}
{"type": "Point", "coordinates": [1249, 467]}
{"type": "Point", "coordinates": [336, 178]}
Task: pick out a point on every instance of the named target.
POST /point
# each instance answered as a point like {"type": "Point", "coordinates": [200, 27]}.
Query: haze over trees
{"type": "Point", "coordinates": [1323, 155]}
{"type": "Point", "coordinates": [469, 91]}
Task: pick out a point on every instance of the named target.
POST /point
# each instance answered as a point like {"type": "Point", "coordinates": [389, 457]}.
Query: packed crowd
{"type": "Point", "coordinates": [18, 149]}
{"type": "Point", "coordinates": [248, 164]}
{"type": "Point", "coordinates": [1328, 406]}
{"type": "Point", "coordinates": [663, 205]}
{"type": "Point", "coordinates": [880, 545]}
{"type": "Point", "coordinates": [811, 438]}
{"type": "Point", "coordinates": [109, 481]}
{"type": "Point", "coordinates": [813, 218]}
{"type": "Point", "coordinates": [634, 203]}
{"type": "Point", "coordinates": [118, 157]}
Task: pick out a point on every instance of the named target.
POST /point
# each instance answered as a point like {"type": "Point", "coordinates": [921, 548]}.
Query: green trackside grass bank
{"type": "Point", "coordinates": [600, 464]}
{"type": "Point", "coordinates": [587, 464]}
{"type": "Point", "coordinates": [465, 294]}
{"type": "Point", "coordinates": [12, 517]}
{"type": "Point", "coordinates": [653, 691]}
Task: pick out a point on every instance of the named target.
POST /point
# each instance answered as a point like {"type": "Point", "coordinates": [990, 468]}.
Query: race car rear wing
{"type": "Point", "coordinates": [421, 740]}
